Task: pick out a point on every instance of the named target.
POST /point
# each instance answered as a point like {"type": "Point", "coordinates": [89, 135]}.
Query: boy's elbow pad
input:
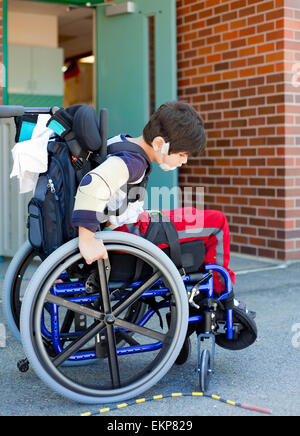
{"type": "Point", "coordinates": [100, 184]}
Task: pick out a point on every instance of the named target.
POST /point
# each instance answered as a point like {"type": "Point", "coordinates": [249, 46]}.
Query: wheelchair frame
{"type": "Point", "coordinates": [69, 292]}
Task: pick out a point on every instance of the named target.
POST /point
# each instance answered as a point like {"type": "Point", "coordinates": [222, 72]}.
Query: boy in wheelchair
{"type": "Point", "coordinates": [174, 133]}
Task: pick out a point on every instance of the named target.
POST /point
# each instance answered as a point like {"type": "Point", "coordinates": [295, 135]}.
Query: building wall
{"type": "Point", "coordinates": [32, 29]}
{"type": "Point", "coordinates": [239, 64]}
{"type": "Point", "coordinates": [235, 60]}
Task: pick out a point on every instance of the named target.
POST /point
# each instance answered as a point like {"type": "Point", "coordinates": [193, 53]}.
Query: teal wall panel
{"type": "Point", "coordinates": [35, 100]}
{"type": "Point", "coordinates": [123, 71]}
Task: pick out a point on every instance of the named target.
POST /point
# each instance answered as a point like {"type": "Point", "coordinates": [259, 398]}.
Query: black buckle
{"type": "Point", "coordinates": [182, 272]}
{"type": "Point", "coordinates": [77, 162]}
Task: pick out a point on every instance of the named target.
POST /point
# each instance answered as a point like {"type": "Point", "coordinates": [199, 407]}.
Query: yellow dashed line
{"type": "Point", "coordinates": [232, 403]}
{"type": "Point", "coordinates": [141, 400]}
{"type": "Point", "coordinates": [157, 397]}
{"type": "Point", "coordinates": [177, 394]}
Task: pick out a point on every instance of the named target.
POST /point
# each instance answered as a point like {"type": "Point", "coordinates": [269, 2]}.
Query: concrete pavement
{"type": "Point", "coordinates": [266, 374]}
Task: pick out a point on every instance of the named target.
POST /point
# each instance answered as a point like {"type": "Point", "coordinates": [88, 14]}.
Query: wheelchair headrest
{"type": "Point", "coordinates": [79, 121]}
{"type": "Point", "coordinates": [86, 128]}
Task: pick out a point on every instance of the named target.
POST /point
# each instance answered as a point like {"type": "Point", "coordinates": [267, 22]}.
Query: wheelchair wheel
{"type": "Point", "coordinates": [20, 270]}
{"type": "Point", "coordinates": [121, 372]}
{"type": "Point", "coordinates": [204, 370]}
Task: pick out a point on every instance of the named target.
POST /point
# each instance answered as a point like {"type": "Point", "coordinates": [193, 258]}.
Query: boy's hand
{"type": "Point", "coordinates": [91, 249]}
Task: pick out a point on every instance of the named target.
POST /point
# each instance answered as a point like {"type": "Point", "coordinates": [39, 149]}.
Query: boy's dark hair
{"type": "Point", "coordinates": [180, 125]}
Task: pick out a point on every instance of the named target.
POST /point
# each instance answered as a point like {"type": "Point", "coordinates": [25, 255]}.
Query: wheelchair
{"type": "Point", "coordinates": [131, 352]}
{"type": "Point", "coordinates": [97, 333]}
{"type": "Point", "coordinates": [74, 315]}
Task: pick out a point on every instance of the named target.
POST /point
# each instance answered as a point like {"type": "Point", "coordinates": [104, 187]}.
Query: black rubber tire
{"type": "Point", "coordinates": [204, 373]}
{"type": "Point", "coordinates": [14, 286]}
{"type": "Point", "coordinates": [246, 337]}
{"type": "Point", "coordinates": [53, 374]}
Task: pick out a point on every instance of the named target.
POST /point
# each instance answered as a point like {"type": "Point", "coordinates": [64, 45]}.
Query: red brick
{"type": "Point", "coordinates": [251, 168]}
{"type": "Point", "coordinates": [267, 253]}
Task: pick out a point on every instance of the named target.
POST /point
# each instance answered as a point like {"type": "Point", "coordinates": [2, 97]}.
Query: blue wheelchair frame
{"type": "Point", "coordinates": [69, 291]}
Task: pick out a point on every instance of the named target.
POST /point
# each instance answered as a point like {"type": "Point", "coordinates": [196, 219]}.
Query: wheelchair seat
{"type": "Point", "coordinates": [127, 268]}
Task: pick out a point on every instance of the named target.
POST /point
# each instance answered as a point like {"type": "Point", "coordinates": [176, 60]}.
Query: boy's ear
{"type": "Point", "coordinates": [157, 143]}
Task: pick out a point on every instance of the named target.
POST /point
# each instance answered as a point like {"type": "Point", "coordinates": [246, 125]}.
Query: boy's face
{"type": "Point", "coordinates": [165, 160]}
{"type": "Point", "coordinates": [175, 160]}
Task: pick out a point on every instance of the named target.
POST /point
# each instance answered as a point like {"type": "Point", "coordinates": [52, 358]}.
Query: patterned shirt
{"type": "Point", "coordinates": [88, 213]}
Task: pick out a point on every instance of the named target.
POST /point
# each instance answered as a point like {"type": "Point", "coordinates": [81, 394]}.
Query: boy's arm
{"type": "Point", "coordinates": [92, 196]}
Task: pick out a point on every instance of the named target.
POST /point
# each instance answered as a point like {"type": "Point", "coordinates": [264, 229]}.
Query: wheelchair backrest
{"type": "Point", "coordinates": [77, 125]}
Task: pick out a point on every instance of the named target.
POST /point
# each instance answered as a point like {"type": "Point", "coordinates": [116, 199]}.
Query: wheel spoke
{"type": "Point", "coordinates": [110, 332]}
{"type": "Point", "coordinates": [141, 330]}
{"type": "Point", "coordinates": [128, 338]}
{"type": "Point", "coordinates": [112, 357]}
{"type": "Point", "coordinates": [119, 308]}
{"type": "Point", "coordinates": [104, 286]}
{"type": "Point", "coordinates": [74, 307]}
{"type": "Point", "coordinates": [68, 320]}
{"type": "Point", "coordinates": [89, 334]}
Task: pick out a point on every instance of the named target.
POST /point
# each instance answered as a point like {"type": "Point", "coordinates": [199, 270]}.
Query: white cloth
{"type": "Point", "coordinates": [31, 157]}
{"type": "Point", "coordinates": [131, 214]}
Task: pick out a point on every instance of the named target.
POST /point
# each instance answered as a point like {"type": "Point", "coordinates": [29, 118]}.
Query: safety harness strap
{"type": "Point", "coordinates": [163, 231]}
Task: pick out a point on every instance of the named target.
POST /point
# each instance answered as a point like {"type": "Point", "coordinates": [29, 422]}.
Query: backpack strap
{"type": "Point", "coordinates": [141, 187]}
{"type": "Point", "coordinates": [163, 231]}
{"type": "Point", "coordinates": [133, 148]}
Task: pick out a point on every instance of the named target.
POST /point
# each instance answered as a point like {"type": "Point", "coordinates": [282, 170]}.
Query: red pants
{"type": "Point", "coordinates": [210, 226]}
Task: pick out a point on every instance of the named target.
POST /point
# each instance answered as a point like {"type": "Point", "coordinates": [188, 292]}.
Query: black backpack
{"type": "Point", "coordinates": [79, 146]}
{"type": "Point", "coordinates": [50, 209]}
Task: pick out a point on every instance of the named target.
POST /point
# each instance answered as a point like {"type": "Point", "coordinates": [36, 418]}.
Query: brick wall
{"type": "Point", "coordinates": [235, 59]}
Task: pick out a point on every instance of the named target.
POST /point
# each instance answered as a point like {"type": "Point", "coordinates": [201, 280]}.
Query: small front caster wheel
{"type": "Point", "coordinates": [204, 371]}
{"type": "Point", "coordinates": [23, 365]}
